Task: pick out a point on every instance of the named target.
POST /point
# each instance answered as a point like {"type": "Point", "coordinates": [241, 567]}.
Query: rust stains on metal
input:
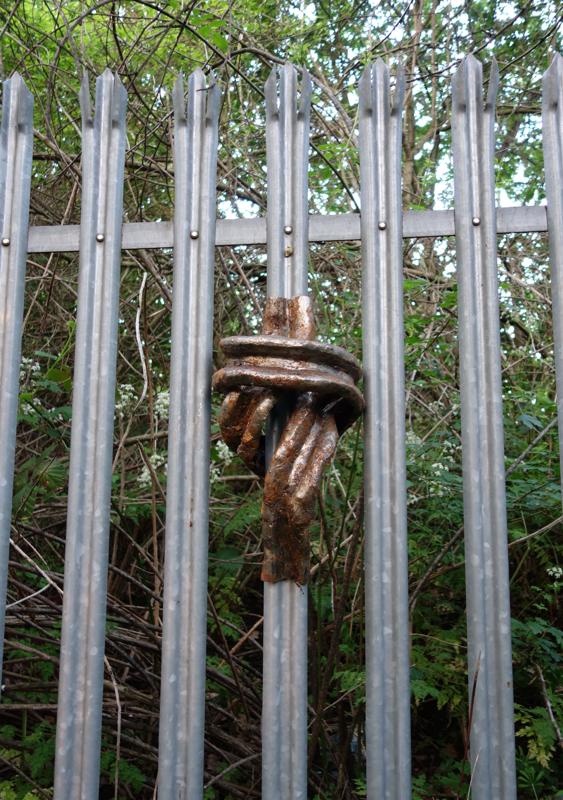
{"type": "Point", "coordinates": [317, 383]}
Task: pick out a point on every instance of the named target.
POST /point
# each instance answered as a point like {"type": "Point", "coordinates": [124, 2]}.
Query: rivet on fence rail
{"type": "Point", "coordinates": [16, 145]}
{"type": "Point", "coordinates": [493, 771]}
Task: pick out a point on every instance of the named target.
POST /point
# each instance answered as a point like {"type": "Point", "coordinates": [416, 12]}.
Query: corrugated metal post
{"type": "Point", "coordinates": [386, 556]}
{"type": "Point", "coordinates": [552, 117]}
{"type": "Point", "coordinates": [284, 707]}
{"type": "Point", "coordinates": [16, 147]}
{"type": "Point", "coordinates": [486, 553]}
{"type": "Point", "coordinates": [86, 559]}
{"type": "Point", "coordinates": [182, 706]}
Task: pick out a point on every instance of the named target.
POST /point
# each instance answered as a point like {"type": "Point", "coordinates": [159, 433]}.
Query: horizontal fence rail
{"type": "Point", "coordinates": [287, 231]}
{"type": "Point", "coordinates": [329, 228]}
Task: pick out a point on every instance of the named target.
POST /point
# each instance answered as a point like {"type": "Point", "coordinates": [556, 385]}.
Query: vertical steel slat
{"type": "Point", "coordinates": [486, 552]}
{"type": "Point", "coordinates": [16, 149]}
{"type": "Point", "coordinates": [552, 118]}
{"type": "Point", "coordinates": [86, 558]}
{"type": "Point", "coordinates": [284, 705]}
{"type": "Point", "coordinates": [386, 557]}
{"type": "Point", "coordinates": [182, 707]}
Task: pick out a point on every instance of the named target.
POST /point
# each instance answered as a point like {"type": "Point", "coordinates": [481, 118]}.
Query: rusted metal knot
{"type": "Point", "coordinates": [315, 385]}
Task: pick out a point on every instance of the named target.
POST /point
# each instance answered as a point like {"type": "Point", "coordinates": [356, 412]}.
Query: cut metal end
{"type": "Point", "coordinates": [306, 89]}
{"type": "Point", "coordinates": [86, 100]}
{"type": "Point", "coordinates": [468, 80]}
{"type": "Point", "coordinates": [203, 98]}
{"type": "Point", "coordinates": [468, 75]}
{"type": "Point", "coordinates": [196, 81]}
{"type": "Point", "coordinates": [376, 79]}
{"type": "Point", "coordinates": [178, 100]}
{"type": "Point", "coordinates": [472, 64]}
{"type": "Point", "coordinates": [492, 90]}
{"type": "Point", "coordinates": [118, 99]}
{"type": "Point", "coordinates": [195, 108]}
{"type": "Point", "coordinates": [20, 102]}
{"type": "Point", "coordinates": [271, 94]}
{"type": "Point", "coordinates": [287, 78]}
{"type": "Point", "coordinates": [282, 88]}
{"type": "Point", "coordinates": [398, 96]}
{"type": "Point", "coordinates": [109, 89]}
{"type": "Point", "coordinates": [552, 82]}
{"type": "Point", "coordinates": [213, 95]}
{"type": "Point", "coordinates": [379, 69]}
{"type": "Point", "coordinates": [364, 92]}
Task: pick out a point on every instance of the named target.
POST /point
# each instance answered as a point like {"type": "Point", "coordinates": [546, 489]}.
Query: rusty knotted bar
{"type": "Point", "coordinates": [318, 382]}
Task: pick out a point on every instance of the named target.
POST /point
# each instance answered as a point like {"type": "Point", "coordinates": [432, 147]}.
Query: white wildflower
{"type": "Point", "coordinates": [225, 455]}
{"type": "Point", "coordinates": [162, 404]}
{"type": "Point", "coordinates": [144, 479]}
{"type": "Point", "coordinates": [28, 367]}
{"type": "Point", "coordinates": [412, 438]}
{"type": "Point", "coordinates": [438, 468]}
{"type": "Point", "coordinates": [555, 572]}
{"type": "Point", "coordinates": [156, 460]}
{"type": "Point", "coordinates": [126, 399]}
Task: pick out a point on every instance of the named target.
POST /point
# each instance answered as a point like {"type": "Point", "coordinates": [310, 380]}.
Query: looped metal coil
{"type": "Point", "coordinates": [314, 387]}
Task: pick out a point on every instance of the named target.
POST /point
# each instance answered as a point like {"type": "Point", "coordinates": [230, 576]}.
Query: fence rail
{"type": "Point", "coordinates": [329, 228]}
{"type": "Point", "coordinates": [286, 230]}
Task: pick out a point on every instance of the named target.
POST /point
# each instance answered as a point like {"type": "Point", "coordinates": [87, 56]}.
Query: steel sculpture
{"type": "Point", "coordinates": [316, 384]}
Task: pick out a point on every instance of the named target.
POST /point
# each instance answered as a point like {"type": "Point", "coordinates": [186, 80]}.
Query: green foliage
{"type": "Point", "coordinates": [35, 755]}
{"type": "Point", "coordinates": [10, 791]}
{"type": "Point", "coordinates": [129, 774]}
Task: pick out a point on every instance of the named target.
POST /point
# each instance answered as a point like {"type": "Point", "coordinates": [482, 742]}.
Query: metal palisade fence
{"type": "Point", "coordinates": [287, 230]}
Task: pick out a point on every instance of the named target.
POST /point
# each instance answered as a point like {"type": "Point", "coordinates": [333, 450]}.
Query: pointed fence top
{"type": "Point", "coordinates": [282, 86]}
{"type": "Point", "coordinates": [468, 79]}
{"type": "Point", "coordinates": [197, 82]}
{"type": "Point", "coordinates": [377, 75]}
{"type": "Point", "coordinates": [17, 102]}
{"type": "Point", "coordinates": [109, 89]}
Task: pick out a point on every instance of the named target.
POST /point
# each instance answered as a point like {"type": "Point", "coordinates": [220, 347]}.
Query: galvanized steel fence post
{"type": "Point", "coordinates": [388, 751]}
{"type": "Point", "coordinates": [16, 146]}
{"type": "Point", "coordinates": [284, 707]}
{"type": "Point", "coordinates": [182, 709]}
{"type": "Point", "coordinates": [79, 718]}
{"type": "Point", "coordinates": [493, 772]}
{"type": "Point", "coordinates": [552, 117]}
